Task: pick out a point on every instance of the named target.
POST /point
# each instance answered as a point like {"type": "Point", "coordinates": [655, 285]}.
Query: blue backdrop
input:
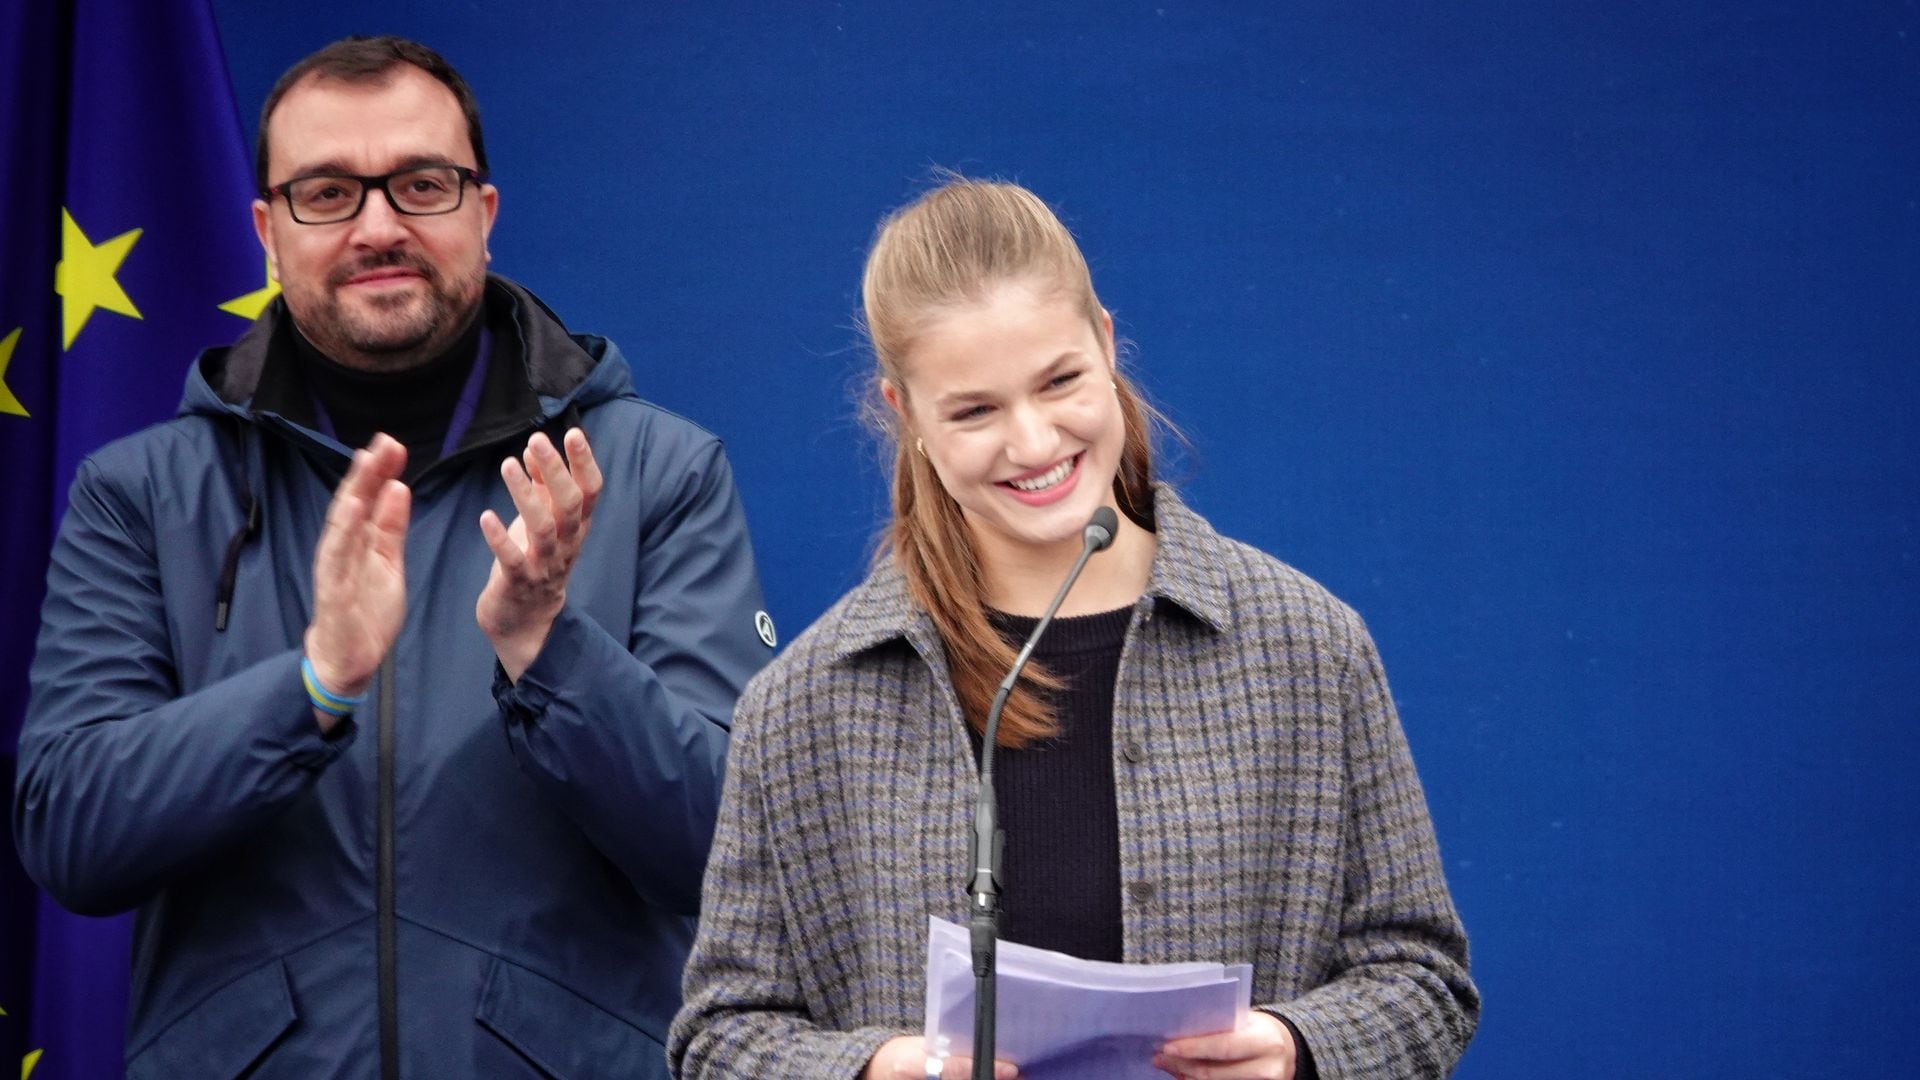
{"type": "Point", "coordinates": [1574, 344]}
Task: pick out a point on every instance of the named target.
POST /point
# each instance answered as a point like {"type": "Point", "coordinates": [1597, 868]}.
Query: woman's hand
{"type": "Point", "coordinates": [905, 1058]}
{"type": "Point", "coordinates": [1261, 1048]}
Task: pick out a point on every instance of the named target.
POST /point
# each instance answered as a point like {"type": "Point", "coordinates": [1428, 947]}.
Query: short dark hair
{"type": "Point", "coordinates": [369, 59]}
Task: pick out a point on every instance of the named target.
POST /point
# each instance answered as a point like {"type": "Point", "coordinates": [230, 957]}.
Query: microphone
{"type": "Point", "coordinates": [1098, 536]}
{"type": "Point", "coordinates": [983, 888]}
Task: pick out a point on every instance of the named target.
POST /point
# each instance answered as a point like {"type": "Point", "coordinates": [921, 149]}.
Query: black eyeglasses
{"type": "Point", "coordinates": [420, 191]}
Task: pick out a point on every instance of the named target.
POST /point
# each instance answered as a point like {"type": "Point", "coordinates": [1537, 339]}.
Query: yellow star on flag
{"type": "Point", "coordinates": [27, 1063]}
{"type": "Point", "coordinates": [252, 304]}
{"type": "Point", "coordinates": [85, 276]}
{"type": "Point", "coordinates": [9, 405]}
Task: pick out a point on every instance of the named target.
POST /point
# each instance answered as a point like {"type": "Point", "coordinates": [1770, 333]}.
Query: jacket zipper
{"type": "Point", "coordinates": [384, 885]}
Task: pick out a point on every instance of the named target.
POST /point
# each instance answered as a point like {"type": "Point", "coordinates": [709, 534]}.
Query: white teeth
{"type": "Point", "coordinates": [1047, 479]}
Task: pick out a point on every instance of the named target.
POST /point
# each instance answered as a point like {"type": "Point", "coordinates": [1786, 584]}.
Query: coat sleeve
{"type": "Point", "coordinates": [629, 737]}
{"type": "Point", "coordinates": [123, 780]}
{"type": "Point", "coordinates": [745, 1011]}
{"type": "Point", "coordinates": [1400, 1002]}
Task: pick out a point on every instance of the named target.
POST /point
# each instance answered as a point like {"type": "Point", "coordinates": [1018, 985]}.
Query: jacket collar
{"type": "Point", "coordinates": [559, 368]}
{"type": "Point", "coordinates": [1187, 573]}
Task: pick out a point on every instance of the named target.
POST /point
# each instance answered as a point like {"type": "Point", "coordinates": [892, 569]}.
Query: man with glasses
{"type": "Point", "coordinates": [408, 501]}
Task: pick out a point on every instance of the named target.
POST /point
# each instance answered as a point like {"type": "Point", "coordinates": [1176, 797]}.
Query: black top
{"type": "Point", "coordinates": [1060, 867]}
{"type": "Point", "coordinates": [414, 406]}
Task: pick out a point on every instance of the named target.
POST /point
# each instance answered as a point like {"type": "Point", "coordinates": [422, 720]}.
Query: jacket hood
{"type": "Point", "coordinates": [563, 369]}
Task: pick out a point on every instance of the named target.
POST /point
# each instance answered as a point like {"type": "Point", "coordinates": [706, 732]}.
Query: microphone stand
{"type": "Point", "coordinates": [984, 886]}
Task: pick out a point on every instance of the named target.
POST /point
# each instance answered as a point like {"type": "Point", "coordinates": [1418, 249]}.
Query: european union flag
{"type": "Point", "coordinates": [125, 248]}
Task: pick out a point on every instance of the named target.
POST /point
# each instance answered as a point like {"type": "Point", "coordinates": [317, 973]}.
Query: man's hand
{"type": "Point", "coordinates": [360, 573]}
{"type": "Point", "coordinates": [1261, 1048]}
{"type": "Point", "coordinates": [533, 557]}
{"type": "Point", "coordinates": [905, 1058]}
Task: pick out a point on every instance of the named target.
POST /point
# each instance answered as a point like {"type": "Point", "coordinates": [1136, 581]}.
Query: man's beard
{"type": "Point", "coordinates": [392, 333]}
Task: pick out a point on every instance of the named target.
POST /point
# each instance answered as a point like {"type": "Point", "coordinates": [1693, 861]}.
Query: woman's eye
{"type": "Point", "coordinates": [972, 413]}
{"type": "Point", "coordinates": [1063, 379]}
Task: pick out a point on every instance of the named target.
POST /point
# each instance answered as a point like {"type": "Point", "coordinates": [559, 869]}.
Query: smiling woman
{"type": "Point", "coordinates": [997, 359]}
{"type": "Point", "coordinates": [1013, 400]}
{"type": "Point", "coordinates": [1204, 765]}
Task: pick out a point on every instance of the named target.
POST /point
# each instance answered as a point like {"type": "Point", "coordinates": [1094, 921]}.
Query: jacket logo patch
{"type": "Point", "coordinates": [763, 622]}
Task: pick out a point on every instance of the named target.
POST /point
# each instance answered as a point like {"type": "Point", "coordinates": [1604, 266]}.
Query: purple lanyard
{"type": "Point", "coordinates": [463, 409]}
{"type": "Point", "coordinates": [469, 403]}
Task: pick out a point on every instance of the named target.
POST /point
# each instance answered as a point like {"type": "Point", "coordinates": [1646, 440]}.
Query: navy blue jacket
{"type": "Point", "coordinates": [547, 838]}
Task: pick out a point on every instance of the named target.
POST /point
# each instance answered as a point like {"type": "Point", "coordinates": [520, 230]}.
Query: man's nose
{"type": "Point", "coordinates": [378, 225]}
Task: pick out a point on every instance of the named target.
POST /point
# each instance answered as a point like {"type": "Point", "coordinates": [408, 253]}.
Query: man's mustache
{"type": "Point", "coordinates": [382, 261]}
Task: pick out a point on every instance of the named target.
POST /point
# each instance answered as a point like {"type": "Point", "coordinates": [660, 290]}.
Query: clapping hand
{"type": "Point", "coordinates": [533, 557]}
{"type": "Point", "coordinates": [360, 573]}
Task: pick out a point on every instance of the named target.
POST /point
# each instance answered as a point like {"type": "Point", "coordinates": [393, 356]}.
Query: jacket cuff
{"type": "Point", "coordinates": [300, 736]}
{"type": "Point", "coordinates": [855, 1049]}
{"type": "Point", "coordinates": [1303, 1059]}
{"type": "Point", "coordinates": [571, 647]}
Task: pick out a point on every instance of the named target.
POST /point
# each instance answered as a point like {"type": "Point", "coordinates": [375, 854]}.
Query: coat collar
{"type": "Point", "coordinates": [1187, 573]}
{"type": "Point", "coordinates": [559, 368]}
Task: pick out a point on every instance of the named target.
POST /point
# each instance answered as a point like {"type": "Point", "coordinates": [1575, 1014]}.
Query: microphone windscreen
{"type": "Point", "coordinates": [1101, 529]}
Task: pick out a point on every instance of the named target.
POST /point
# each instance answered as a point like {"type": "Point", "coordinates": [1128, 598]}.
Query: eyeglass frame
{"type": "Point", "coordinates": [284, 189]}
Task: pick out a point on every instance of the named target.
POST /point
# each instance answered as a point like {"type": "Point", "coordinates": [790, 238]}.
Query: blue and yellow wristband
{"type": "Point", "coordinates": [323, 699]}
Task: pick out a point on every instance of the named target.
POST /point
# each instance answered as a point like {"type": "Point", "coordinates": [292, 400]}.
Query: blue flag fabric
{"type": "Point", "coordinates": [125, 248]}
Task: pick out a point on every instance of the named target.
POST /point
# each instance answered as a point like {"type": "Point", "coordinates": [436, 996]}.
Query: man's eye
{"type": "Point", "coordinates": [326, 193]}
{"type": "Point", "coordinates": [426, 185]}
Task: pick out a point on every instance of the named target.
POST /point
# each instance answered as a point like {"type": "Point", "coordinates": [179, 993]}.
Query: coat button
{"type": "Point", "coordinates": [1141, 891]}
{"type": "Point", "coordinates": [1134, 752]}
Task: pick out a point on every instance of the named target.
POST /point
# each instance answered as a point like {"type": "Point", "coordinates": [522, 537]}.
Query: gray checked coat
{"type": "Point", "coordinates": [1269, 812]}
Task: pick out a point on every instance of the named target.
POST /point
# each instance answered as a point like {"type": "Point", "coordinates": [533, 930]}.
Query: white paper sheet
{"type": "Point", "coordinates": [1062, 1018]}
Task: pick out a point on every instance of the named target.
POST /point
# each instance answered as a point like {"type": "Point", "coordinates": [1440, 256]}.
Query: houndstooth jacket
{"type": "Point", "coordinates": [1268, 808]}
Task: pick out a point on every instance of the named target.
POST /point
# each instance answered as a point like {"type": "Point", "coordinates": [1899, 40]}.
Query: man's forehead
{"type": "Point", "coordinates": [399, 116]}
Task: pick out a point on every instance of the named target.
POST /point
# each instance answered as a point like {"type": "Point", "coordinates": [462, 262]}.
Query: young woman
{"type": "Point", "coordinates": [1203, 764]}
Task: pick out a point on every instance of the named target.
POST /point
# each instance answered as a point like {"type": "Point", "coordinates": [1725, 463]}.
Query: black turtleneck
{"type": "Point", "coordinates": [414, 406]}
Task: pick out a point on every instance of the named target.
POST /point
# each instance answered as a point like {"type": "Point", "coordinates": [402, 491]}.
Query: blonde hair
{"type": "Point", "coordinates": [947, 249]}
